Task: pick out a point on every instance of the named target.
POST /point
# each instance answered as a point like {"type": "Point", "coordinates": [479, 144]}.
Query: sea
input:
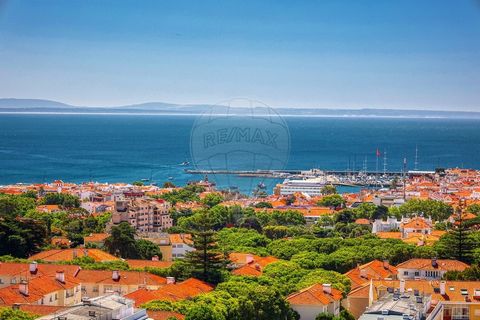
{"type": "Point", "coordinates": [36, 148]}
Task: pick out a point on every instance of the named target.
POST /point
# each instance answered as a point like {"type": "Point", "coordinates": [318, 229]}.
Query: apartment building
{"type": "Point", "coordinates": [443, 300]}
{"type": "Point", "coordinates": [144, 215]}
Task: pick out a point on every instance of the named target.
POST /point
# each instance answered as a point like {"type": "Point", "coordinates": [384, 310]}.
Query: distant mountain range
{"type": "Point", "coordinates": [10, 105]}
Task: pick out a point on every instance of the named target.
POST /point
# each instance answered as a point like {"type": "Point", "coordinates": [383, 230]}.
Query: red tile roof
{"type": "Point", "coordinates": [426, 264]}
{"type": "Point", "coordinates": [164, 315]}
{"type": "Point", "coordinates": [40, 310]}
{"type": "Point", "coordinates": [171, 292]}
{"type": "Point", "coordinates": [69, 254]}
{"type": "Point", "coordinates": [148, 263]}
{"type": "Point", "coordinates": [37, 287]}
{"type": "Point", "coordinates": [375, 269]}
{"type": "Point", "coordinates": [314, 295]}
{"type": "Point", "coordinates": [96, 237]}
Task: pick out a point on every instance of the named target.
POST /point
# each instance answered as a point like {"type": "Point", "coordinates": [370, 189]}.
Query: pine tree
{"type": "Point", "coordinates": [457, 244]}
{"type": "Point", "coordinates": [206, 262]}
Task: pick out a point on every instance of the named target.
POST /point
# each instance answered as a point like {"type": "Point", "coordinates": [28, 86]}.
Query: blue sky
{"type": "Point", "coordinates": [331, 54]}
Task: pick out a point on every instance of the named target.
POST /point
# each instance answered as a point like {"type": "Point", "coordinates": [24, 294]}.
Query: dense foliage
{"type": "Point", "coordinates": [121, 242]}
{"type": "Point", "coordinates": [10, 314]}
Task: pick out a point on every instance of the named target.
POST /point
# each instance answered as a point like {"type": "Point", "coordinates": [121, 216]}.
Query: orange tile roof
{"type": "Point", "coordinates": [417, 223]}
{"type": "Point", "coordinates": [254, 268]}
{"type": "Point", "coordinates": [375, 269]}
{"type": "Point", "coordinates": [48, 208]}
{"type": "Point", "coordinates": [180, 238]}
{"type": "Point", "coordinates": [68, 255]}
{"type": "Point", "coordinates": [362, 221]}
{"type": "Point", "coordinates": [126, 277]}
{"type": "Point", "coordinates": [426, 264]}
{"type": "Point", "coordinates": [22, 269]}
{"type": "Point", "coordinates": [96, 237]}
{"type": "Point", "coordinates": [37, 288]}
{"type": "Point", "coordinates": [389, 235]}
{"type": "Point", "coordinates": [148, 263]}
{"type": "Point", "coordinates": [40, 310]}
{"type": "Point", "coordinates": [171, 292]}
{"type": "Point", "coordinates": [314, 295]}
{"type": "Point", "coordinates": [164, 315]}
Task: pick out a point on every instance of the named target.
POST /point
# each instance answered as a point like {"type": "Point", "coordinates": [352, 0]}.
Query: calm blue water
{"type": "Point", "coordinates": [38, 148]}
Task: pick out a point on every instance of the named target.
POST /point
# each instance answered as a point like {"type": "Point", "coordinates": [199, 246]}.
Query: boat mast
{"type": "Point", "coordinates": [416, 158]}
{"type": "Point", "coordinates": [385, 163]}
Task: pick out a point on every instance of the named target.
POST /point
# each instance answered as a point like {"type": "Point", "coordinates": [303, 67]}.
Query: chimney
{"type": "Point", "coordinates": [434, 262]}
{"type": "Point", "coordinates": [249, 259]}
{"type": "Point", "coordinates": [257, 267]}
{"type": "Point", "coordinates": [23, 287]}
{"type": "Point", "coordinates": [327, 288]}
{"type": "Point", "coordinates": [33, 267]}
{"type": "Point", "coordinates": [170, 280]}
{"type": "Point", "coordinates": [85, 252]}
{"type": "Point", "coordinates": [74, 253]}
{"type": "Point", "coordinates": [155, 258]}
{"type": "Point", "coordinates": [386, 264]}
{"type": "Point", "coordinates": [443, 284]}
{"type": "Point", "coordinates": [363, 273]}
{"type": "Point", "coordinates": [402, 286]}
{"type": "Point", "coordinates": [16, 306]}
{"type": "Point", "coordinates": [60, 276]}
{"type": "Point", "coordinates": [115, 275]}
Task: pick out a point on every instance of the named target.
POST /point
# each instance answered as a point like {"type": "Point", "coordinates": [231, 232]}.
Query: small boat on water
{"type": "Point", "coordinates": [261, 185]}
{"type": "Point", "coordinates": [185, 163]}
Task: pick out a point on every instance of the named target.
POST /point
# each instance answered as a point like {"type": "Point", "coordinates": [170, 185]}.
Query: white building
{"type": "Point", "coordinates": [312, 187]}
{"type": "Point", "coordinates": [105, 307]}
{"type": "Point", "coordinates": [429, 269]}
{"type": "Point", "coordinates": [312, 301]}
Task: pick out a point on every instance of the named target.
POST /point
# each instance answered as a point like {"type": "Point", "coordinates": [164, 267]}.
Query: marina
{"type": "Point", "coordinates": [333, 177]}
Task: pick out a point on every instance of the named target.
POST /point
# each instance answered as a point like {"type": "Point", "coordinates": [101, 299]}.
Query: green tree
{"type": "Point", "coordinates": [11, 205]}
{"type": "Point", "coordinates": [168, 184]}
{"type": "Point", "coordinates": [263, 204]}
{"type": "Point", "coordinates": [64, 200]}
{"type": "Point", "coordinates": [147, 249]}
{"type": "Point", "coordinates": [474, 208]}
{"type": "Point", "coordinates": [324, 316]}
{"type": "Point", "coordinates": [21, 237]}
{"type": "Point", "coordinates": [138, 183]}
{"type": "Point", "coordinates": [212, 199]}
{"type": "Point", "coordinates": [437, 210]}
{"type": "Point", "coordinates": [206, 261]}
{"type": "Point", "coordinates": [333, 201]}
{"type": "Point", "coordinates": [10, 314]}
{"type": "Point", "coordinates": [328, 189]}
{"type": "Point", "coordinates": [456, 244]}
{"type": "Point", "coordinates": [122, 241]}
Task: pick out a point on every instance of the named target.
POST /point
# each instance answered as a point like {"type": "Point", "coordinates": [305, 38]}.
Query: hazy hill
{"type": "Point", "coordinates": [38, 105]}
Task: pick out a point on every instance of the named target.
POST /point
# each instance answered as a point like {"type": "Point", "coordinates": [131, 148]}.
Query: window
{"type": "Point", "coordinates": [405, 273]}
{"type": "Point", "coordinates": [95, 289]}
{"type": "Point", "coordinates": [417, 273]}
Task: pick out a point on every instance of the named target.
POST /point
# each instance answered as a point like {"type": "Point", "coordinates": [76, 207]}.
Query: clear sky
{"type": "Point", "coordinates": [418, 54]}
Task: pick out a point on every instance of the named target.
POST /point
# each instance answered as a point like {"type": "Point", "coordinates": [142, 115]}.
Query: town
{"type": "Point", "coordinates": [132, 251]}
